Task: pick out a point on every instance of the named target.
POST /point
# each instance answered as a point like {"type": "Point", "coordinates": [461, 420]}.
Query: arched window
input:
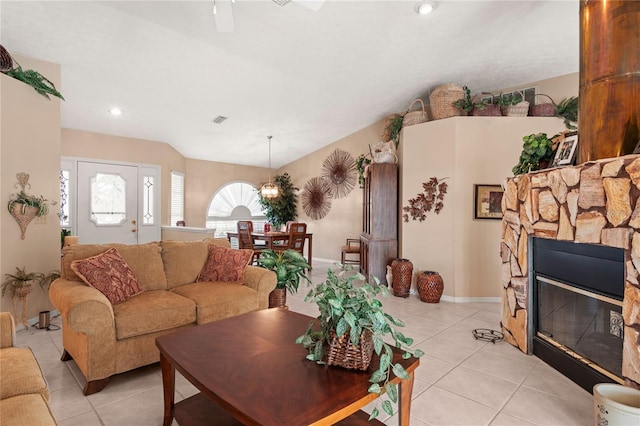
{"type": "Point", "coordinates": [233, 202]}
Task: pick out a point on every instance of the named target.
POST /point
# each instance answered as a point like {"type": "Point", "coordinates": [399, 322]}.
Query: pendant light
{"type": "Point", "coordinates": [269, 190]}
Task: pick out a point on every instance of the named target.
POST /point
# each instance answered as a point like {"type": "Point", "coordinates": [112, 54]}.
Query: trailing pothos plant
{"type": "Point", "coordinates": [362, 162]}
{"type": "Point", "coordinates": [349, 309]}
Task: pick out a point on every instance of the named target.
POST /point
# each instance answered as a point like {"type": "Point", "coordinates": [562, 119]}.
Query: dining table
{"type": "Point", "coordinates": [276, 239]}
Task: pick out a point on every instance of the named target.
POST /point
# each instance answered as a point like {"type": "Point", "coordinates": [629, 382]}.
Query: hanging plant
{"type": "Point", "coordinates": [362, 162]}
{"type": "Point", "coordinates": [431, 199]}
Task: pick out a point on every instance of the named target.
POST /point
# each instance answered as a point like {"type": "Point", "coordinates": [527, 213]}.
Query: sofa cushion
{"type": "Point", "coordinates": [219, 300]}
{"type": "Point", "coordinates": [20, 374]}
{"type": "Point", "coordinates": [109, 273]}
{"type": "Point", "coordinates": [26, 410]}
{"type": "Point", "coordinates": [152, 311]}
{"type": "Point", "coordinates": [183, 261]}
{"type": "Point", "coordinates": [225, 264]}
{"type": "Point", "coordinates": [144, 260]}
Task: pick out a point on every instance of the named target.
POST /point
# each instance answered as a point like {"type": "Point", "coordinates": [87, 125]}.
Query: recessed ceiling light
{"type": "Point", "coordinates": [115, 111]}
{"type": "Point", "coordinates": [425, 7]}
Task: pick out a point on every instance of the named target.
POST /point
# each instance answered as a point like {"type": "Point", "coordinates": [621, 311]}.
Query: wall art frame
{"type": "Point", "coordinates": [487, 201]}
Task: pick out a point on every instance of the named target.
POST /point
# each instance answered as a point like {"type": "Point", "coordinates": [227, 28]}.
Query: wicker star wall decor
{"type": "Point", "coordinates": [339, 168]}
{"type": "Point", "coordinates": [316, 198]}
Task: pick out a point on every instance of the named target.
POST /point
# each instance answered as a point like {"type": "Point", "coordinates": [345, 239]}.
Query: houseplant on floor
{"type": "Point", "coordinates": [289, 266]}
{"type": "Point", "coordinates": [281, 209]}
{"type": "Point", "coordinates": [353, 326]}
{"type": "Point", "coordinates": [19, 285]}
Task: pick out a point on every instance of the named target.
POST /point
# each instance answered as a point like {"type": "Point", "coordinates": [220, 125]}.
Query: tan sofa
{"type": "Point", "coordinates": [23, 390]}
{"type": "Point", "coordinates": [106, 339]}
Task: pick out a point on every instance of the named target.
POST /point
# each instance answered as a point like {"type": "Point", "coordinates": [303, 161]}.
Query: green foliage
{"type": "Point", "coordinates": [362, 161]}
{"type": "Point", "coordinates": [567, 109]}
{"type": "Point", "coordinates": [394, 128]}
{"type": "Point", "coordinates": [346, 308]}
{"type": "Point", "coordinates": [288, 265]}
{"type": "Point", "coordinates": [508, 99]}
{"type": "Point", "coordinates": [20, 279]}
{"type": "Point", "coordinates": [536, 149]}
{"type": "Point", "coordinates": [283, 208]}
{"type": "Point", "coordinates": [64, 233]}
{"type": "Point", "coordinates": [35, 80]}
{"type": "Point", "coordinates": [29, 200]}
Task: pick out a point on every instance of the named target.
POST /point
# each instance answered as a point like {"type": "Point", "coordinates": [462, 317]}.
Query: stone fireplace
{"type": "Point", "coordinates": [593, 204]}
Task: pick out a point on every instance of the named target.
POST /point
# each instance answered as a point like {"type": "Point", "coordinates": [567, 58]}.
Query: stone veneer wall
{"type": "Point", "coordinates": [595, 203]}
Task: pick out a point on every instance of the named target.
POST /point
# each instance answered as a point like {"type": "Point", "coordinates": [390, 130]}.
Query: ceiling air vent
{"type": "Point", "coordinates": [219, 119]}
{"type": "Point", "coordinates": [281, 2]}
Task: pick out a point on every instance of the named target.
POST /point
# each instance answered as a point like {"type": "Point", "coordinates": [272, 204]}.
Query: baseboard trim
{"type": "Point", "coordinates": [471, 299]}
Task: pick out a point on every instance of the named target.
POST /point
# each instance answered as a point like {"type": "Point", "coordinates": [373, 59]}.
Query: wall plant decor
{"type": "Point", "coordinates": [31, 77]}
{"type": "Point", "coordinates": [316, 198]}
{"type": "Point", "coordinates": [431, 199]}
{"type": "Point", "coordinates": [24, 207]}
{"type": "Point", "coordinates": [339, 168]}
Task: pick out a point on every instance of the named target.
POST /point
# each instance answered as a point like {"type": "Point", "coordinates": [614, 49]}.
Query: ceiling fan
{"type": "Point", "coordinates": [223, 11]}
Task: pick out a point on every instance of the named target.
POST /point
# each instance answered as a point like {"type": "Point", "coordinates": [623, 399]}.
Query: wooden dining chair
{"type": "Point", "coordinates": [245, 239]}
{"type": "Point", "coordinates": [297, 236]}
{"type": "Point", "coordinates": [352, 248]}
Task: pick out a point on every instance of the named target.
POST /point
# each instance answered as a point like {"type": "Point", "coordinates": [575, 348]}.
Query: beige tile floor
{"type": "Point", "coordinates": [460, 381]}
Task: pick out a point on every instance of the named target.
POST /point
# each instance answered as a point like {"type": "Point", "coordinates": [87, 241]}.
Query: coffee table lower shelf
{"type": "Point", "coordinates": [200, 410]}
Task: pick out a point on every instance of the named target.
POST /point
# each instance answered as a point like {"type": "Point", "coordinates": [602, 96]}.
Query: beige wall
{"type": "Point", "coordinates": [468, 151]}
{"type": "Point", "coordinates": [82, 144]}
{"type": "Point", "coordinates": [558, 88]}
{"type": "Point", "coordinates": [30, 143]}
{"type": "Point", "coordinates": [345, 218]}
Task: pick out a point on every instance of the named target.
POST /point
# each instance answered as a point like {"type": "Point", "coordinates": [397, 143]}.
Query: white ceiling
{"type": "Point", "coordinates": [307, 78]}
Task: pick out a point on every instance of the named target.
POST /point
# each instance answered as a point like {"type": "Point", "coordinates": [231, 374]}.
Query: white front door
{"type": "Point", "coordinates": [107, 203]}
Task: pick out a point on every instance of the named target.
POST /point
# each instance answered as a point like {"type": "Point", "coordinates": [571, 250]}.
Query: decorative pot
{"type": "Point", "coordinates": [402, 271]}
{"type": "Point", "coordinates": [615, 404]}
{"type": "Point", "coordinates": [430, 286]}
{"type": "Point", "coordinates": [23, 214]}
{"type": "Point", "coordinates": [278, 298]}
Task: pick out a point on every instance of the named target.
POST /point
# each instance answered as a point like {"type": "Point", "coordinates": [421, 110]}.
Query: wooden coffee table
{"type": "Point", "coordinates": [250, 372]}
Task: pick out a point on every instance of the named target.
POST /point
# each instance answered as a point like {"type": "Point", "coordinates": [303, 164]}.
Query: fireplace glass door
{"type": "Point", "coordinates": [587, 325]}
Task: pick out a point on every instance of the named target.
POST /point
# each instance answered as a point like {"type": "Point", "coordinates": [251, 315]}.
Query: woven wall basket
{"type": "Point", "coordinates": [343, 353]}
{"type": "Point", "coordinates": [442, 99]}
{"type": "Point", "coordinates": [415, 117]}
{"type": "Point", "coordinates": [23, 219]}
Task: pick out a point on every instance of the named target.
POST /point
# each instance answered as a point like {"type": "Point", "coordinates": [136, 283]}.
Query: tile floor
{"type": "Point", "coordinates": [460, 381]}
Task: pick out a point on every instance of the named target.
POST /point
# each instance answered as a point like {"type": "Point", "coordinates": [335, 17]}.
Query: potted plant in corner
{"type": "Point", "coordinates": [289, 266]}
{"type": "Point", "coordinates": [353, 325]}
{"type": "Point", "coordinates": [19, 285]}
{"type": "Point", "coordinates": [281, 209]}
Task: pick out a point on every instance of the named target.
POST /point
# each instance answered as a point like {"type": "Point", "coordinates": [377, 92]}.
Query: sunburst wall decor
{"type": "Point", "coordinates": [339, 169]}
{"type": "Point", "coordinates": [316, 198]}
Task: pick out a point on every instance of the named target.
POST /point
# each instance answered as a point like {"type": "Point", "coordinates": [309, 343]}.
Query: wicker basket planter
{"type": "Point", "coordinates": [278, 298]}
{"type": "Point", "coordinates": [543, 110]}
{"type": "Point", "coordinates": [402, 270]}
{"type": "Point", "coordinates": [430, 286]}
{"type": "Point", "coordinates": [345, 354]}
{"type": "Point", "coordinates": [518, 110]}
{"type": "Point", "coordinates": [442, 99]}
{"type": "Point", "coordinates": [23, 214]}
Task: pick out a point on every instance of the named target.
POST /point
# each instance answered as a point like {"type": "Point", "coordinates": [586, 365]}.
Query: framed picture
{"type": "Point", "coordinates": [566, 152]}
{"type": "Point", "coordinates": [487, 201]}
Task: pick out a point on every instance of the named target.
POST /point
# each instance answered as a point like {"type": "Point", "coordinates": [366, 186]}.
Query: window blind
{"type": "Point", "coordinates": [177, 197]}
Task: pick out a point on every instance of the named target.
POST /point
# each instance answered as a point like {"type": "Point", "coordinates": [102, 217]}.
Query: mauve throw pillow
{"type": "Point", "coordinates": [108, 273]}
{"type": "Point", "coordinates": [225, 264]}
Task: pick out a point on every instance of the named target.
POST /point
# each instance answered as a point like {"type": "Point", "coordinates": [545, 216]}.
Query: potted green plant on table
{"type": "Point", "coordinates": [289, 266]}
{"type": "Point", "coordinates": [352, 326]}
{"type": "Point", "coordinates": [19, 286]}
{"type": "Point", "coordinates": [537, 152]}
{"type": "Point", "coordinates": [281, 209]}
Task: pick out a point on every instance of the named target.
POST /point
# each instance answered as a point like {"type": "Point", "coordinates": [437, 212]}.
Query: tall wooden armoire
{"type": "Point", "coordinates": [379, 239]}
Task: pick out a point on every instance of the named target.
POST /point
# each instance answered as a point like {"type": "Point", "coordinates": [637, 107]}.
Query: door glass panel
{"type": "Point", "coordinates": [108, 199]}
{"type": "Point", "coordinates": [147, 195]}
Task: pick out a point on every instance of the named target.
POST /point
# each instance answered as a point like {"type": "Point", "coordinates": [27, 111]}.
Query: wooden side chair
{"type": "Point", "coordinates": [351, 249]}
{"type": "Point", "coordinates": [245, 239]}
